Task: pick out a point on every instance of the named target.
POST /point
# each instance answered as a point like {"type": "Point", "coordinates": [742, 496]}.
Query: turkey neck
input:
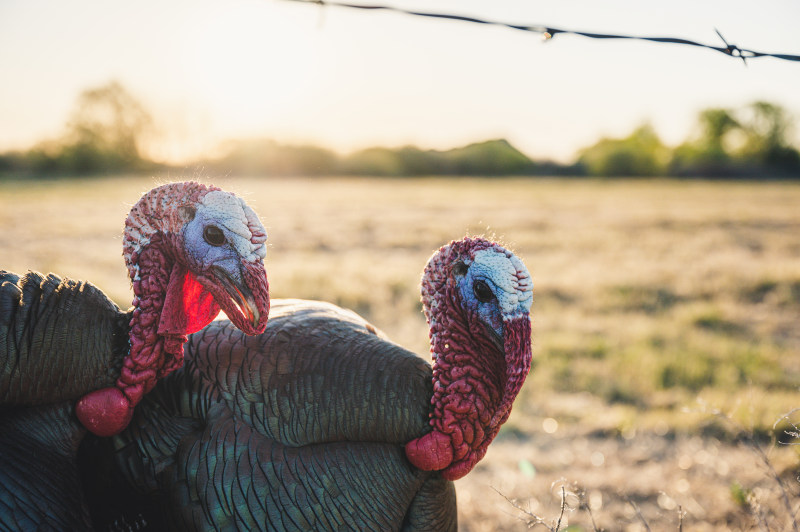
{"type": "Point", "coordinates": [469, 376]}
{"type": "Point", "coordinates": [148, 349]}
{"type": "Point", "coordinates": [475, 380]}
{"type": "Point", "coordinates": [517, 349]}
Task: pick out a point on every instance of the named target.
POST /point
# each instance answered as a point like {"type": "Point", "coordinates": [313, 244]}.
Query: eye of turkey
{"type": "Point", "coordinates": [482, 291]}
{"type": "Point", "coordinates": [214, 235]}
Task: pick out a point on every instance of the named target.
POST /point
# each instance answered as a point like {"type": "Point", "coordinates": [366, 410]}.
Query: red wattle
{"type": "Point", "coordinates": [474, 381]}
{"type": "Point", "coordinates": [104, 412]}
{"type": "Point", "coordinates": [431, 452]}
{"type": "Point", "coordinates": [188, 306]}
{"type": "Point", "coordinates": [458, 470]}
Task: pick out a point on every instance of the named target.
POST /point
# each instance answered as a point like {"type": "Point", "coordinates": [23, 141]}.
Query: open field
{"type": "Point", "coordinates": [657, 304]}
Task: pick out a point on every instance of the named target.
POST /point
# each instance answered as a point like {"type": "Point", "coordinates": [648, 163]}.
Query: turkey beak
{"type": "Point", "coordinates": [496, 339]}
{"type": "Point", "coordinates": [240, 294]}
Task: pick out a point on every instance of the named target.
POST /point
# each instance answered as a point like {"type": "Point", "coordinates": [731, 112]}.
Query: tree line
{"type": "Point", "coordinates": [105, 131]}
{"type": "Point", "coordinates": [753, 141]}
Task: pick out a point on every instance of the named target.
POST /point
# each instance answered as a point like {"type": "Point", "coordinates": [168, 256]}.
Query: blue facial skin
{"type": "Point", "coordinates": [206, 255]}
{"type": "Point", "coordinates": [475, 299]}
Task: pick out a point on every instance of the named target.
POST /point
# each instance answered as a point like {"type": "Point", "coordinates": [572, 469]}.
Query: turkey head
{"type": "Point", "coordinates": [477, 297]}
{"type": "Point", "coordinates": [190, 250]}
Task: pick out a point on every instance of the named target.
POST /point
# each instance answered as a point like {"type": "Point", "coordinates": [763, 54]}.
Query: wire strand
{"type": "Point", "coordinates": [548, 32]}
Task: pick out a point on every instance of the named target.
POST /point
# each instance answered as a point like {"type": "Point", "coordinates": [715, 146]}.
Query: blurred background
{"type": "Point", "coordinates": [287, 87]}
{"type": "Point", "coordinates": [652, 190]}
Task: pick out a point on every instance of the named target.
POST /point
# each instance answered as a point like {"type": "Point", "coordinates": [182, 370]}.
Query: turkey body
{"type": "Point", "coordinates": [58, 338]}
{"type": "Point", "coordinates": [43, 368]}
{"type": "Point", "coordinates": [299, 428]}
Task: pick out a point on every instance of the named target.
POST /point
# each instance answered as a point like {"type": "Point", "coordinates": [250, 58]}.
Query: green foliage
{"type": "Point", "coordinates": [709, 154]}
{"type": "Point", "coordinates": [749, 142]}
{"type": "Point", "coordinates": [712, 320]}
{"type": "Point", "coordinates": [267, 157]}
{"type": "Point", "coordinates": [639, 154]}
{"type": "Point", "coordinates": [379, 162]}
{"type": "Point", "coordinates": [753, 141]}
{"type": "Point", "coordinates": [493, 157]}
{"type": "Point", "coordinates": [687, 370]}
{"type": "Point", "coordinates": [647, 299]}
{"type": "Point", "coordinates": [740, 495]}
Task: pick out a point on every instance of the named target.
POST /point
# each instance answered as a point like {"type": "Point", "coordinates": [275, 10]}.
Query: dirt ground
{"type": "Point", "coordinates": [634, 482]}
{"type": "Point", "coordinates": [650, 295]}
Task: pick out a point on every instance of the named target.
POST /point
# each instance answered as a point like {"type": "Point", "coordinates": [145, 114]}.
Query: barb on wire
{"type": "Point", "coordinates": [732, 49]}
{"type": "Point", "coordinates": [548, 33]}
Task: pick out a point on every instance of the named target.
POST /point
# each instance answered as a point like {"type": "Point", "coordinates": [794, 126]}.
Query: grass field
{"type": "Point", "coordinates": [666, 322]}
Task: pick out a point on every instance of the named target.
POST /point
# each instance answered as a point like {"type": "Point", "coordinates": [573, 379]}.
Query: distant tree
{"type": "Point", "coordinates": [492, 157]}
{"type": "Point", "coordinates": [373, 162]}
{"type": "Point", "coordinates": [763, 130]}
{"type": "Point", "coordinates": [267, 157]}
{"type": "Point", "coordinates": [716, 124]}
{"type": "Point", "coordinates": [104, 134]}
{"type": "Point", "coordinates": [766, 137]}
{"type": "Point", "coordinates": [105, 130]}
{"type": "Point", "coordinates": [709, 153]}
{"type": "Point", "coordinates": [639, 154]}
{"type": "Point", "coordinates": [415, 161]}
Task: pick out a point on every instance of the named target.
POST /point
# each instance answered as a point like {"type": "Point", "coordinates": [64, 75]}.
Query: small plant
{"type": "Point", "coordinates": [573, 499]}
{"type": "Point", "coordinates": [740, 495]}
{"type": "Point", "coordinates": [791, 434]}
{"type": "Point", "coordinates": [751, 500]}
{"type": "Point", "coordinates": [533, 520]}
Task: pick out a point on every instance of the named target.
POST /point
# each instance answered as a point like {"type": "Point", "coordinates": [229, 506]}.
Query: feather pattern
{"type": "Point", "coordinates": [41, 315]}
{"type": "Point", "coordinates": [40, 485]}
{"type": "Point", "coordinates": [299, 428]}
{"type": "Point", "coordinates": [322, 423]}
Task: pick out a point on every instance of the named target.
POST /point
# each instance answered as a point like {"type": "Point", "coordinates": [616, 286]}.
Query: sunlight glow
{"type": "Point", "coordinates": [210, 71]}
{"type": "Point", "coordinates": [246, 66]}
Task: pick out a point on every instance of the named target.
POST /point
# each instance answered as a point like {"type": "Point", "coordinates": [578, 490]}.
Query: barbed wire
{"type": "Point", "coordinates": [549, 32]}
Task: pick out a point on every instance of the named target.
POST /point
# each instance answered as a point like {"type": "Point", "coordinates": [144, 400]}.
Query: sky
{"type": "Point", "coordinates": [209, 71]}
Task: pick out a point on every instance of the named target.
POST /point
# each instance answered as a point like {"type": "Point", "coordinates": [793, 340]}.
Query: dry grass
{"type": "Point", "coordinates": [655, 302]}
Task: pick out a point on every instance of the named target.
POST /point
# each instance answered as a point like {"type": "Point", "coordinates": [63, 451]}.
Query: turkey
{"type": "Point", "coordinates": [71, 360]}
{"type": "Point", "coordinates": [321, 423]}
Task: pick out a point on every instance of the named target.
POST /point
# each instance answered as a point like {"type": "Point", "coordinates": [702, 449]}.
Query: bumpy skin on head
{"type": "Point", "coordinates": [190, 249]}
{"type": "Point", "coordinates": [477, 297]}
